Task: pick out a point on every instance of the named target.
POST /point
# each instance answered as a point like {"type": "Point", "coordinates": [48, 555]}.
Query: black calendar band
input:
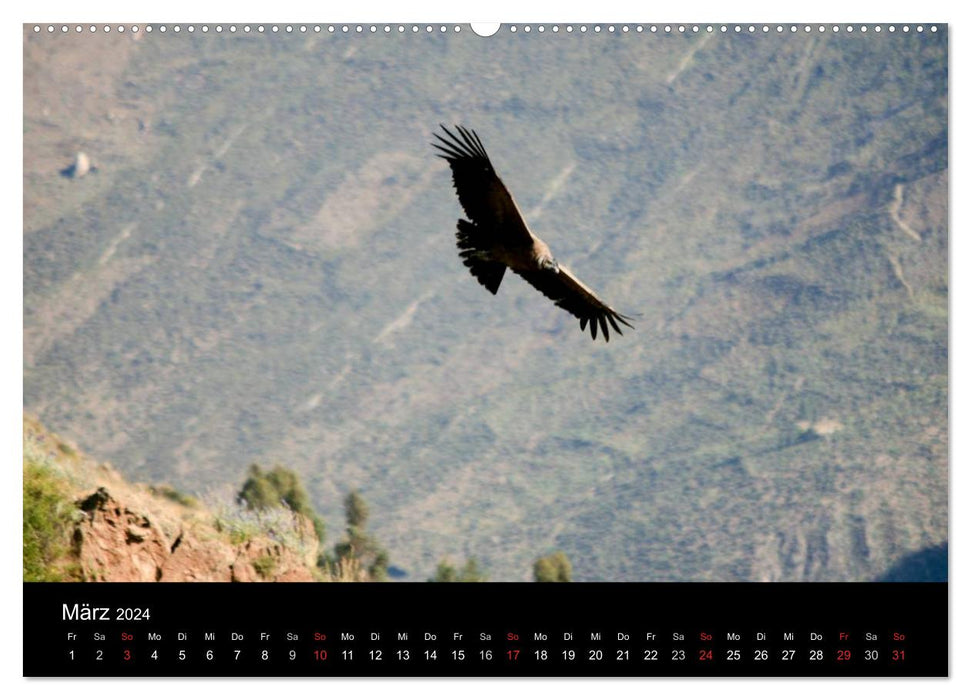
{"type": "Point", "coordinates": [491, 629]}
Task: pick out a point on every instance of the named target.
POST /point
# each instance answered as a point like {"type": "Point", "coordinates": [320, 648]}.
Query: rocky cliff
{"type": "Point", "coordinates": [119, 531]}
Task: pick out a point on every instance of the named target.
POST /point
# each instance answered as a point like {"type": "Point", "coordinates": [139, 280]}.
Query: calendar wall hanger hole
{"type": "Point", "coordinates": [485, 28]}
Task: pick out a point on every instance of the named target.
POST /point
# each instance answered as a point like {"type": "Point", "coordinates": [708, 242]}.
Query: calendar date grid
{"type": "Point", "coordinates": [322, 650]}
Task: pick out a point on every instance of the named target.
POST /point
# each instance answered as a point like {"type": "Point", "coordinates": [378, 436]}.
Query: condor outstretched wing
{"type": "Point", "coordinates": [484, 198]}
{"type": "Point", "coordinates": [497, 236]}
{"type": "Point", "coordinates": [571, 294]}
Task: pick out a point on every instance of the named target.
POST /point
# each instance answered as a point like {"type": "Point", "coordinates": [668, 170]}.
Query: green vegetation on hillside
{"type": "Point", "coordinates": [48, 523]}
{"type": "Point", "coordinates": [278, 487]}
{"type": "Point", "coordinates": [555, 568]}
{"type": "Point", "coordinates": [469, 572]}
{"type": "Point", "coordinates": [174, 495]}
{"type": "Point", "coordinates": [358, 544]}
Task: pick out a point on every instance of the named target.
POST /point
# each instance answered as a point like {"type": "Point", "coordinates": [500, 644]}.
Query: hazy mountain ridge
{"type": "Point", "coordinates": [288, 290]}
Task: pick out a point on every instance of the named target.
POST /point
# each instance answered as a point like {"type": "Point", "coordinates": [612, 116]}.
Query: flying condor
{"type": "Point", "coordinates": [497, 236]}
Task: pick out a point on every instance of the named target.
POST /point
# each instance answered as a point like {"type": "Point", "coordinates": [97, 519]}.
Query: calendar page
{"type": "Point", "coordinates": [544, 349]}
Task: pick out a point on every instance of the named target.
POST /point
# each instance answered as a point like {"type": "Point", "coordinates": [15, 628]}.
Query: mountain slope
{"type": "Point", "coordinates": [263, 269]}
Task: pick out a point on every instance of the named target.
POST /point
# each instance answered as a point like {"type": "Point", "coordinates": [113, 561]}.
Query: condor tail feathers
{"type": "Point", "coordinates": [488, 273]}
